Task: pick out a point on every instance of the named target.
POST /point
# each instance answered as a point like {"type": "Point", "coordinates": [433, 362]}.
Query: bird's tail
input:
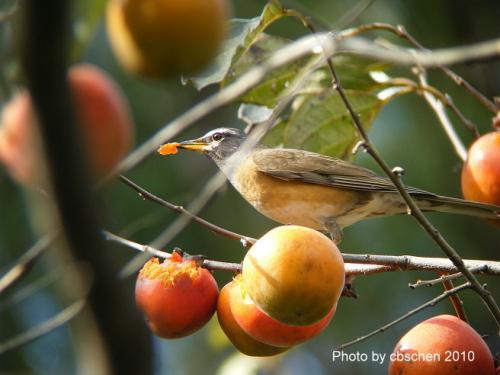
{"type": "Point", "coordinates": [460, 206]}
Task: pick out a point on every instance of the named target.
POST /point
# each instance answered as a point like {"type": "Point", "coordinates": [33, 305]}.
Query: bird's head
{"type": "Point", "coordinates": [219, 144]}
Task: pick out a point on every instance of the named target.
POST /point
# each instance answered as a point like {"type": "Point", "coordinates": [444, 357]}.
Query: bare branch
{"type": "Point", "coordinates": [29, 290]}
{"type": "Point", "coordinates": [456, 301]}
{"type": "Point", "coordinates": [409, 262]}
{"type": "Point", "coordinates": [401, 31]}
{"type": "Point", "coordinates": [447, 277]}
{"type": "Point", "coordinates": [24, 263]}
{"type": "Point", "coordinates": [438, 108]}
{"type": "Point", "coordinates": [208, 264]}
{"type": "Point", "coordinates": [42, 329]}
{"type": "Point", "coordinates": [355, 264]}
{"type": "Point", "coordinates": [213, 185]}
{"type": "Point", "coordinates": [430, 303]}
{"type": "Point", "coordinates": [143, 193]}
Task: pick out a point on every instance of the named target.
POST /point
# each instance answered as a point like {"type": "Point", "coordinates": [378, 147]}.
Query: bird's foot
{"type": "Point", "coordinates": [335, 231]}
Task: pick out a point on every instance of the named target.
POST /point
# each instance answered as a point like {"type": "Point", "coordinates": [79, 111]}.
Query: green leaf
{"type": "Point", "coordinates": [354, 72]}
{"type": "Point", "coordinates": [267, 92]}
{"type": "Point", "coordinates": [321, 123]}
{"type": "Point", "coordinates": [242, 34]}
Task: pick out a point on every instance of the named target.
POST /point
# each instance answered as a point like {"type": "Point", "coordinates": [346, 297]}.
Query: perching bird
{"type": "Point", "coordinates": [304, 188]}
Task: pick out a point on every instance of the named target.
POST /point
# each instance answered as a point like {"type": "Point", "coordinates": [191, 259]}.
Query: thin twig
{"type": "Point", "coordinates": [456, 301]}
{"type": "Point", "coordinates": [42, 329]}
{"type": "Point", "coordinates": [448, 101]}
{"type": "Point", "coordinates": [428, 92]}
{"type": "Point", "coordinates": [24, 263]}
{"type": "Point", "coordinates": [208, 264]}
{"type": "Point", "coordinates": [430, 303]}
{"type": "Point", "coordinates": [29, 290]}
{"type": "Point", "coordinates": [143, 193]}
{"type": "Point", "coordinates": [446, 277]}
{"type": "Point", "coordinates": [401, 31]}
{"type": "Point", "coordinates": [438, 108]}
{"type": "Point", "coordinates": [213, 185]}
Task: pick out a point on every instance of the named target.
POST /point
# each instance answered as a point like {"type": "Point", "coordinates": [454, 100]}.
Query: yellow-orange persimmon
{"type": "Point", "coordinates": [238, 337]}
{"type": "Point", "coordinates": [163, 38]}
{"type": "Point", "coordinates": [264, 328]}
{"type": "Point", "coordinates": [177, 296]}
{"type": "Point", "coordinates": [294, 274]}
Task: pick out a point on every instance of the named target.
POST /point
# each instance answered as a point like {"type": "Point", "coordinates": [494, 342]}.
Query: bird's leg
{"type": "Point", "coordinates": [335, 231]}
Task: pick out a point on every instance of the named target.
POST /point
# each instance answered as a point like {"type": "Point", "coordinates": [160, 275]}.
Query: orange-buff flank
{"type": "Point", "coordinates": [168, 149]}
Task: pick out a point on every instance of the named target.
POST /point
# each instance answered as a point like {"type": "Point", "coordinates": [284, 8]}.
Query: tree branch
{"type": "Point", "coordinates": [409, 262]}
{"type": "Point", "coordinates": [445, 277]}
{"type": "Point", "coordinates": [143, 193]}
{"type": "Point", "coordinates": [24, 263]}
{"type": "Point", "coordinates": [430, 303]}
{"type": "Point", "coordinates": [456, 301]}
{"type": "Point", "coordinates": [355, 264]}
{"type": "Point", "coordinates": [401, 31]}
{"type": "Point", "coordinates": [42, 329]}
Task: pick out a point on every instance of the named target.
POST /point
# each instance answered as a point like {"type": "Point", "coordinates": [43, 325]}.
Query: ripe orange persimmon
{"type": "Point", "coordinates": [481, 171]}
{"type": "Point", "coordinates": [264, 328]}
{"type": "Point", "coordinates": [442, 345]}
{"type": "Point", "coordinates": [294, 274]}
{"type": "Point", "coordinates": [177, 296]}
{"type": "Point", "coordinates": [163, 38]}
{"type": "Point", "coordinates": [104, 116]}
{"type": "Point", "coordinates": [238, 337]}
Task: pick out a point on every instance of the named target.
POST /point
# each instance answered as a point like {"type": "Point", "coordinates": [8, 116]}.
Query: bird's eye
{"type": "Point", "coordinates": [217, 136]}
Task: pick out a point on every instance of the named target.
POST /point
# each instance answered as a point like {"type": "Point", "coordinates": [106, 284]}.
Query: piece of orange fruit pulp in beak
{"type": "Point", "coordinates": [168, 149]}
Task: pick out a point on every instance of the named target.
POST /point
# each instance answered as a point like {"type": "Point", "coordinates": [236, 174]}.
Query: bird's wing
{"type": "Point", "coordinates": [310, 167]}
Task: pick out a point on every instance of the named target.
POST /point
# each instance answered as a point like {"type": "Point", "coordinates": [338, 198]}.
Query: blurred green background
{"type": "Point", "coordinates": [406, 132]}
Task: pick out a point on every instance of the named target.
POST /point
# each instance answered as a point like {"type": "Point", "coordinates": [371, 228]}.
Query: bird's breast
{"type": "Point", "coordinates": [295, 202]}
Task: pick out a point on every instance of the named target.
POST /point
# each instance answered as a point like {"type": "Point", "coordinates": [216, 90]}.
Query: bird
{"type": "Point", "coordinates": [292, 186]}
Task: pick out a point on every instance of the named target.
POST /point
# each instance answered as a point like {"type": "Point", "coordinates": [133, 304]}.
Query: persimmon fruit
{"type": "Point", "coordinates": [238, 337]}
{"type": "Point", "coordinates": [168, 149]}
{"type": "Point", "coordinates": [259, 325]}
{"type": "Point", "coordinates": [481, 171]}
{"type": "Point", "coordinates": [164, 38]}
{"type": "Point", "coordinates": [177, 296]}
{"type": "Point", "coordinates": [294, 274]}
{"type": "Point", "coordinates": [103, 114]}
{"type": "Point", "coordinates": [441, 345]}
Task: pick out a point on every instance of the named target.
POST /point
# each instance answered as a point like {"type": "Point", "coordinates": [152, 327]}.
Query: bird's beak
{"type": "Point", "coordinates": [197, 145]}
